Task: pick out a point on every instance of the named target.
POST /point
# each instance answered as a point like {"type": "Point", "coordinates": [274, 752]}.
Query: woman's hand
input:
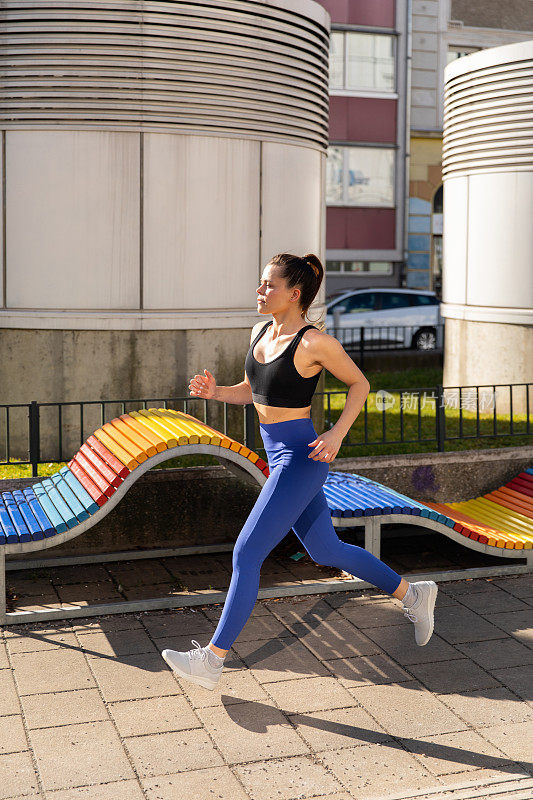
{"type": "Point", "coordinates": [327, 446]}
{"type": "Point", "coordinates": [203, 386]}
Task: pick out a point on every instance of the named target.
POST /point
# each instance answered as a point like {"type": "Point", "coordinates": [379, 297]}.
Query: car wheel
{"type": "Point", "coordinates": [425, 339]}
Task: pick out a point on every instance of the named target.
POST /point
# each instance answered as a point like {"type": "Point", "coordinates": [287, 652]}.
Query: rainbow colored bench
{"type": "Point", "coordinates": [56, 509]}
{"type": "Point", "coordinates": [499, 523]}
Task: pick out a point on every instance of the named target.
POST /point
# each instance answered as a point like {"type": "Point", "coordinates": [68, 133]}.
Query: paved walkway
{"type": "Point", "coordinates": [323, 697]}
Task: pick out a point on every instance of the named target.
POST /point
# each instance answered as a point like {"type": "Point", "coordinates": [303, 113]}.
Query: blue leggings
{"type": "Point", "coordinates": [292, 496]}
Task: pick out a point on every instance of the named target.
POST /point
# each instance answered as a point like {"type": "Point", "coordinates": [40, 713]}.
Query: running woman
{"type": "Point", "coordinates": [282, 369]}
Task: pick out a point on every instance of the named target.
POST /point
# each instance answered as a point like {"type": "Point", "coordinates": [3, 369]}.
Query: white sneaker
{"type": "Point", "coordinates": [194, 665]}
{"type": "Point", "coordinates": [421, 612]}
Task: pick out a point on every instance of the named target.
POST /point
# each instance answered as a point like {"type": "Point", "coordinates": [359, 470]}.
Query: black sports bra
{"type": "Point", "coordinates": [278, 382]}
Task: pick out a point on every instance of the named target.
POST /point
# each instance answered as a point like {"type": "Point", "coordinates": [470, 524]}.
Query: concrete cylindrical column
{"type": "Point", "coordinates": [488, 214]}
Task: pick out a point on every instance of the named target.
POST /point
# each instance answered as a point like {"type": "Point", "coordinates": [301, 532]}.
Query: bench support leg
{"type": "Point", "coordinates": [2, 586]}
{"type": "Point", "coordinates": [373, 536]}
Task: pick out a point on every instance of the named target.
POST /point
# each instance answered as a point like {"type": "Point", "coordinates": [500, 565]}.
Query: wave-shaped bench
{"type": "Point", "coordinates": [56, 509]}
{"type": "Point", "coordinates": [499, 523]}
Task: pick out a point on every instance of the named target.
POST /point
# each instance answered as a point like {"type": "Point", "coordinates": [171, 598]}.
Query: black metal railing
{"type": "Point", "coordinates": [455, 413]}
{"type": "Point", "coordinates": [363, 339]}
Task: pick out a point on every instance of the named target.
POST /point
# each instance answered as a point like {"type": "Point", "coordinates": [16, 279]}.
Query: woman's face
{"type": "Point", "coordinates": [273, 295]}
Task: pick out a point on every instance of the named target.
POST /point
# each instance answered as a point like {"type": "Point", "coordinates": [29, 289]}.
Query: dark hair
{"type": "Point", "coordinates": [306, 272]}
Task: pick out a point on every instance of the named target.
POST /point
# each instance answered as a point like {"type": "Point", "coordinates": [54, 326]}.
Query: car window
{"type": "Point", "coordinates": [356, 302]}
{"type": "Point", "coordinates": [423, 300]}
{"type": "Point", "coordinates": [392, 300]}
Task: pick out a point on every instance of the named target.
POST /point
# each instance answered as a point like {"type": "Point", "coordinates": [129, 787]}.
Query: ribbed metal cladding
{"type": "Point", "coordinates": [220, 67]}
{"type": "Point", "coordinates": [488, 111]}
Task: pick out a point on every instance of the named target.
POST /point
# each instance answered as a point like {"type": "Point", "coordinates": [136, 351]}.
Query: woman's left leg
{"type": "Point", "coordinates": [315, 530]}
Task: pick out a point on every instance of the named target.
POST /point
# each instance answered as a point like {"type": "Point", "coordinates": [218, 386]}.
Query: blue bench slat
{"type": "Point", "coordinates": [424, 510]}
{"type": "Point", "coordinates": [51, 511]}
{"type": "Point", "coordinates": [346, 500]}
{"type": "Point", "coordinates": [40, 514]}
{"type": "Point", "coordinates": [69, 497]}
{"type": "Point", "coordinates": [82, 494]}
{"type": "Point", "coordinates": [338, 505]}
{"type": "Point", "coordinates": [28, 515]}
{"type": "Point", "coordinates": [8, 532]}
{"type": "Point", "coordinates": [363, 497]}
{"type": "Point", "coordinates": [529, 470]}
{"type": "Point", "coordinates": [23, 534]}
{"type": "Point", "coordinates": [63, 509]}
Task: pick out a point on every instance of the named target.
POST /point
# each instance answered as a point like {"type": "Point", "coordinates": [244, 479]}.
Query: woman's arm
{"type": "Point", "coordinates": [329, 352]}
{"type": "Point", "coordinates": [240, 393]}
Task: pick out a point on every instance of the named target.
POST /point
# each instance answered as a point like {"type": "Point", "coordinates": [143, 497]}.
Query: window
{"type": "Point", "coordinates": [375, 267]}
{"type": "Point", "coordinates": [423, 300]}
{"type": "Point", "coordinates": [392, 300]}
{"type": "Point", "coordinates": [361, 61]}
{"type": "Point", "coordinates": [360, 176]}
{"type": "Point", "coordinates": [365, 301]}
{"type": "Point", "coordinates": [459, 52]}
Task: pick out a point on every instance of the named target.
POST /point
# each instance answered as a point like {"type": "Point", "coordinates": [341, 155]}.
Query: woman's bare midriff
{"type": "Point", "coordinates": [269, 414]}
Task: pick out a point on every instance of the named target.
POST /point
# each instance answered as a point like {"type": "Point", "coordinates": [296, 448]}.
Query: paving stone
{"type": "Point", "coordinates": [150, 591]}
{"type": "Point", "coordinates": [459, 624]}
{"type": "Point", "coordinates": [137, 573]}
{"type": "Point", "coordinates": [262, 627]}
{"type": "Point", "coordinates": [488, 707]}
{"type": "Point", "coordinates": [513, 739]}
{"type": "Point", "coordinates": [89, 593]}
{"type": "Point", "coordinates": [63, 708]}
{"type": "Point", "coordinates": [236, 686]}
{"type": "Point", "coordinates": [518, 623]}
{"type": "Point", "coordinates": [251, 731]}
{"type": "Point", "coordinates": [76, 755]}
{"type": "Point", "coordinates": [518, 679]}
{"type": "Point", "coordinates": [12, 735]}
{"type": "Point", "coordinates": [42, 640]}
{"type": "Point", "coordinates": [9, 702]}
{"type": "Point", "coordinates": [340, 727]}
{"type": "Point", "coordinates": [407, 709]}
{"type": "Point", "coordinates": [107, 624]}
{"type": "Point", "coordinates": [121, 790]}
{"type": "Point", "coordinates": [492, 602]}
{"type": "Point", "coordinates": [399, 642]}
{"type": "Point", "coordinates": [335, 637]}
{"type": "Point", "coordinates": [453, 676]}
{"type": "Point", "coordinates": [278, 660]}
{"type": "Point", "coordinates": [519, 586]}
{"type": "Point", "coordinates": [497, 653]}
{"type": "Point", "coordinates": [178, 622]}
{"type": "Point", "coordinates": [484, 778]}
{"type": "Point", "coordinates": [312, 610]}
{"type": "Point", "coordinates": [163, 753]}
{"type": "Point", "coordinates": [17, 775]}
{"type": "Point", "coordinates": [116, 643]}
{"type": "Point", "coordinates": [213, 783]}
{"type": "Point", "coordinates": [51, 671]}
{"type": "Point", "coordinates": [215, 612]}
{"type": "Point", "coordinates": [377, 770]}
{"type": "Point", "coordinates": [153, 715]}
{"type": "Point", "coordinates": [4, 661]}
{"type": "Point", "coordinates": [469, 586]}
{"type": "Point", "coordinates": [337, 599]}
{"type": "Point", "coordinates": [309, 694]}
{"type": "Point", "coordinates": [133, 677]}
{"type": "Point", "coordinates": [373, 615]}
{"type": "Point", "coordinates": [76, 573]}
{"type": "Point", "coordinates": [367, 670]}
{"type": "Point", "coordinates": [455, 752]}
{"type": "Point", "coordinates": [285, 779]}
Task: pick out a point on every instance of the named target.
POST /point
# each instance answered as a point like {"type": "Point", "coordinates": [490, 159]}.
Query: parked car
{"type": "Point", "coordinates": [401, 317]}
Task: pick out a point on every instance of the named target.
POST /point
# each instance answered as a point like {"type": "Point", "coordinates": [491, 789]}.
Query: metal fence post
{"type": "Point", "coordinates": [35, 436]}
{"type": "Point", "coordinates": [440, 420]}
{"type": "Point", "coordinates": [249, 426]}
{"type": "Point", "coordinates": [362, 347]}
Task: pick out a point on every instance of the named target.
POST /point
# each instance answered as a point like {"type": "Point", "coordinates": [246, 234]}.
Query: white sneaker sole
{"type": "Point", "coordinates": [431, 607]}
{"type": "Point", "coordinates": [205, 682]}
